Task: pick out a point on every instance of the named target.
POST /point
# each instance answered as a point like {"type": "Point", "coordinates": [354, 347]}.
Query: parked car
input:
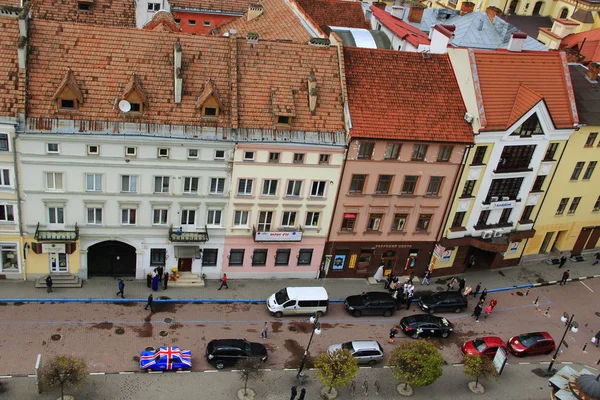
{"type": "Point", "coordinates": [370, 303]}
{"type": "Point", "coordinates": [298, 300]}
{"type": "Point", "coordinates": [165, 359]}
{"type": "Point", "coordinates": [227, 352]}
{"type": "Point", "coordinates": [425, 325]}
{"type": "Point", "coordinates": [365, 351]}
{"type": "Point", "coordinates": [530, 344]}
{"type": "Point", "coordinates": [485, 346]}
{"type": "Point", "coordinates": [443, 301]}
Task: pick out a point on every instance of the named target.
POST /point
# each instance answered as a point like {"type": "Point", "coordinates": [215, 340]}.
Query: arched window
{"type": "Point", "coordinates": [564, 13]}
{"type": "Point", "coordinates": [537, 8]}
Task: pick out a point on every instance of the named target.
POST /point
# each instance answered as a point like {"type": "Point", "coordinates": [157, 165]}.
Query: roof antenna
{"type": "Point", "coordinates": [426, 54]}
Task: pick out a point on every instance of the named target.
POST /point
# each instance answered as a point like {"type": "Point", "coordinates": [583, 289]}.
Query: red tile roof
{"type": "Point", "coordinates": [162, 21]}
{"type": "Point", "coordinates": [524, 101]}
{"type": "Point", "coordinates": [10, 3]}
{"type": "Point", "coordinates": [505, 78]}
{"type": "Point", "coordinates": [213, 5]}
{"type": "Point", "coordinates": [402, 29]}
{"type": "Point", "coordinates": [587, 42]}
{"type": "Point", "coordinates": [403, 95]}
{"type": "Point", "coordinates": [11, 79]}
{"type": "Point", "coordinates": [103, 12]}
{"type": "Point", "coordinates": [335, 13]}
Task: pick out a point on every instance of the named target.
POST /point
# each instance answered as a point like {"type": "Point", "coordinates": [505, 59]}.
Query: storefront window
{"type": "Point", "coordinates": [59, 262]}
{"type": "Point", "coordinates": [9, 258]}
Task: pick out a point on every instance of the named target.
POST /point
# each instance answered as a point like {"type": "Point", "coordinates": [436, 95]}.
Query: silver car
{"type": "Point", "coordinates": [365, 351]}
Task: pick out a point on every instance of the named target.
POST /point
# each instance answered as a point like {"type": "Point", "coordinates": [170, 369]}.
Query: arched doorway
{"type": "Point", "coordinates": [513, 6]}
{"type": "Point", "coordinates": [111, 258]}
{"type": "Point", "coordinates": [538, 7]}
{"type": "Point", "coordinates": [564, 13]}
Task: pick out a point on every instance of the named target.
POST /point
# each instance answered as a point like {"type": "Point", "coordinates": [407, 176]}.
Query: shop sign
{"type": "Point", "coordinates": [278, 236]}
{"type": "Point", "coordinates": [352, 263]}
{"type": "Point", "coordinates": [503, 204]}
{"type": "Point", "coordinates": [349, 215]}
{"type": "Point", "coordinates": [54, 248]}
{"type": "Point", "coordinates": [438, 250]}
{"type": "Point", "coordinates": [513, 247]}
{"type": "Point", "coordinates": [338, 261]}
{"type": "Point", "coordinates": [446, 256]}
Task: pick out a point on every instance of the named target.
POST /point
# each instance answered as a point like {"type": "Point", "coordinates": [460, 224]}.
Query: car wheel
{"type": "Point", "coordinates": [548, 352]}
{"type": "Point", "coordinates": [372, 362]}
{"type": "Point", "coordinates": [149, 348]}
{"type": "Point", "coordinates": [220, 364]}
{"type": "Point", "coordinates": [387, 313]}
{"type": "Point", "coordinates": [458, 310]}
{"type": "Point", "coordinates": [319, 314]}
{"type": "Point", "coordinates": [148, 369]}
{"type": "Point", "coordinates": [445, 334]}
{"type": "Point", "coordinates": [357, 313]}
{"type": "Point", "coordinates": [278, 314]}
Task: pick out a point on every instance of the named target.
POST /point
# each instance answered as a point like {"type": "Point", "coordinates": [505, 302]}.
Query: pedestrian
{"type": "Point", "coordinates": [483, 295]}
{"type": "Point", "coordinates": [393, 333]}
{"type": "Point", "coordinates": [155, 280]}
{"type": "Point", "coordinates": [160, 271]}
{"type": "Point", "coordinates": [224, 282]}
{"type": "Point", "coordinates": [597, 255]}
{"type": "Point", "coordinates": [165, 280]}
{"type": "Point", "coordinates": [425, 280]}
{"type": "Point", "coordinates": [411, 277]}
{"type": "Point", "coordinates": [477, 311]}
{"type": "Point", "coordinates": [477, 289]}
{"type": "Point", "coordinates": [467, 291]}
{"type": "Point", "coordinates": [488, 311]}
{"type": "Point", "coordinates": [149, 303]}
{"type": "Point", "coordinates": [121, 288]}
{"type": "Point", "coordinates": [471, 262]}
{"type": "Point", "coordinates": [597, 339]}
{"type": "Point", "coordinates": [409, 297]}
{"type": "Point", "coordinates": [392, 287]}
{"type": "Point", "coordinates": [563, 260]}
{"type": "Point", "coordinates": [149, 280]}
{"type": "Point", "coordinates": [388, 281]}
{"type": "Point", "coordinates": [461, 284]}
{"type": "Point", "coordinates": [379, 274]}
{"type": "Point", "coordinates": [294, 393]}
{"type": "Point", "coordinates": [453, 282]}
{"type": "Point", "coordinates": [265, 330]}
{"type": "Point", "coordinates": [565, 276]}
{"type": "Point", "coordinates": [493, 303]}
{"type": "Point", "coordinates": [49, 284]}
{"type": "Point", "coordinates": [302, 394]}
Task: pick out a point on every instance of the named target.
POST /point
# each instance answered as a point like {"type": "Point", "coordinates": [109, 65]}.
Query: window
{"type": "Point", "coordinates": [5, 177]}
{"type": "Point", "coordinates": [298, 158]}
{"type": "Point", "coordinates": [591, 139]}
{"type": "Point", "coordinates": [209, 111]}
{"type": "Point", "coordinates": [245, 187]}
{"type": "Point", "coordinates": [423, 222]}
{"type": "Point", "coordinates": [158, 257]}
{"type": "Point", "coordinates": [240, 219]}
{"type": "Point", "coordinates": [597, 205]}
{"type": "Point", "coordinates": [214, 218]}
{"type": "Point", "coordinates": [54, 180]}
{"type": "Point", "coordinates": [539, 182]}
{"type": "Point", "coordinates": [562, 205]}
{"type": "Point", "coordinates": [259, 257]}
{"type": "Point", "coordinates": [153, 6]}
{"type": "Point", "coordinates": [188, 217]}
{"type": "Point", "coordinates": [283, 119]}
{"type": "Point", "coordinates": [365, 150]}
{"type": "Point", "coordinates": [574, 205]}
{"type": "Point", "coordinates": [130, 151]}
{"type": "Point", "coordinates": [129, 183]}
{"type": "Point", "coordinates": [282, 257]}
{"type": "Point", "coordinates": [549, 156]}
{"type": "Point", "coordinates": [3, 142]}
{"type": "Point", "coordinates": [264, 221]}
{"type": "Point", "coordinates": [399, 222]}
{"type": "Point", "coordinates": [374, 222]}
{"type": "Point", "coordinates": [564, 13]}
{"type": "Point", "coordinates": [505, 215]}
{"type": "Point", "coordinates": [410, 184]}
{"type": "Point", "coordinates": [269, 187]}
{"type": "Point", "coordinates": [52, 148]}
{"type": "Point", "coordinates": [384, 183]}
{"type": "Point", "coordinates": [219, 154]}
{"type": "Point", "coordinates": [530, 127]}
{"type": "Point", "coordinates": [93, 182]}
{"type": "Point", "coordinates": [206, 23]}
{"type": "Point", "coordinates": [289, 219]}
{"type": "Point", "coordinates": [236, 257]}
{"type": "Point", "coordinates": [217, 185]}
{"type": "Point", "coordinates": [94, 216]}
{"type": "Point", "coordinates": [312, 219]}
{"type": "Point", "coordinates": [191, 22]}
{"type": "Point", "coordinates": [160, 216]}
{"type": "Point", "coordinates": [502, 188]}
{"type": "Point", "coordinates": [128, 216]}
{"type": "Point", "coordinates": [305, 256]}
{"type": "Point", "coordinates": [323, 158]}
{"type": "Point", "coordinates": [479, 155]}
{"type": "Point", "coordinates": [67, 103]}
{"type": "Point", "coordinates": [135, 107]}
{"type": "Point", "coordinates": [7, 213]}
{"type": "Point", "coordinates": [577, 170]}
{"type": "Point", "coordinates": [515, 158]}
{"type": "Point", "coordinates": [9, 258]}
{"type": "Point", "coordinates": [526, 216]}
{"type": "Point", "coordinates": [392, 151]}
{"type": "Point", "coordinates": [163, 153]}
{"type": "Point", "coordinates": [435, 183]}
{"type": "Point", "coordinates": [468, 189]}
{"type": "Point", "coordinates": [56, 215]}
{"type": "Point", "coordinates": [349, 222]}
{"type": "Point", "coordinates": [293, 189]}
{"type": "Point", "coordinates": [190, 185]}
{"type": "Point", "coordinates": [93, 149]}
{"type": "Point", "coordinates": [273, 157]}
{"type": "Point", "coordinates": [209, 257]}
{"type": "Point", "coordinates": [589, 170]}
{"type": "Point", "coordinates": [357, 183]}
{"type": "Point", "coordinates": [458, 220]}
{"type": "Point", "coordinates": [192, 153]}
{"type": "Point", "coordinates": [318, 189]}
{"type": "Point", "coordinates": [419, 151]}
{"type": "Point", "coordinates": [161, 184]}
{"type": "Point", "coordinates": [248, 156]}
{"type": "Point", "coordinates": [483, 217]}
{"type": "Point", "coordinates": [444, 153]}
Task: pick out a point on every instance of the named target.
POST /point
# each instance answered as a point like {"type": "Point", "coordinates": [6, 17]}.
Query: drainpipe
{"type": "Point", "coordinates": [19, 208]}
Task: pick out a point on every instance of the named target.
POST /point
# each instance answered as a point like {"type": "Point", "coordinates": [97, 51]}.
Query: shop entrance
{"type": "Point", "coordinates": [111, 258]}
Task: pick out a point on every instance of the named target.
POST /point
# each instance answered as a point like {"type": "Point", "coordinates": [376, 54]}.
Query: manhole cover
{"type": "Point", "coordinates": [168, 320]}
{"type": "Point", "coordinates": [56, 336]}
{"type": "Point", "coordinates": [163, 333]}
{"type": "Point", "coordinates": [119, 331]}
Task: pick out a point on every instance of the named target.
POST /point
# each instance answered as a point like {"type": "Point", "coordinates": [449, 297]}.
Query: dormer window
{"type": "Point", "coordinates": [135, 95]}
{"type": "Point", "coordinates": [66, 103]}
{"type": "Point", "coordinates": [135, 107]}
{"type": "Point", "coordinates": [84, 5]}
{"type": "Point", "coordinates": [283, 105]}
{"type": "Point", "coordinates": [283, 119]}
{"type": "Point", "coordinates": [68, 96]}
{"type": "Point", "coordinates": [530, 127]}
{"type": "Point", "coordinates": [210, 111]}
{"type": "Point", "coordinates": [208, 102]}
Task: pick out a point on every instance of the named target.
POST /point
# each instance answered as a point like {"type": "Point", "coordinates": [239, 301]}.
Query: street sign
{"type": "Point", "coordinates": [500, 360]}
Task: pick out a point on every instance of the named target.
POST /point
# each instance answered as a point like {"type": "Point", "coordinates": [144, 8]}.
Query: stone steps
{"type": "Point", "coordinates": [187, 279]}
{"type": "Point", "coordinates": [60, 281]}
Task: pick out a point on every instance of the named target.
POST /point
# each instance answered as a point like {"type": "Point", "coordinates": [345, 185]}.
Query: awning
{"type": "Point", "coordinates": [187, 252]}
{"type": "Point", "coordinates": [56, 235]}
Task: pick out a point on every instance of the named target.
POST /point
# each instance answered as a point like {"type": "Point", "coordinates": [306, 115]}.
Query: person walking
{"type": "Point", "coordinates": [597, 255]}
{"type": "Point", "coordinates": [265, 331]}
{"type": "Point", "coordinates": [121, 288]}
{"type": "Point", "coordinates": [425, 280]}
{"type": "Point", "coordinates": [49, 284]}
{"type": "Point", "coordinates": [483, 295]}
{"type": "Point", "coordinates": [149, 280]}
{"type": "Point", "coordinates": [393, 333]}
{"type": "Point", "coordinates": [411, 277]}
{"type": "Point", "coordinates": [490, 307]}
{"type": "Point", "coordinates": [493, 303]}
{"type": "Point", "coordinates": [149, 303]}
{"type": "Point", "coordinates": [461, 284]}
{"type": "Point", "coordinates": [467, 291]}
{"type": "Point", "coordinates": [477, 311]}
{"type": "Point", "coordinates": [410, 295]}
{"type": "Point", "coordinates": [155, 280]}
{"type": "Point", "coordinates": [477, 289]}
{"type": "Point", "coordinates": [165, 280]}
{"type": "Point", "coordinates": [597, 337]}
{"type": "Point", "coordinates": [224, 282]}
{"type": "Point", "coordinates": [160, 271]}
{"type": "Point", "coordinates": [563, 260]}
{"type": "Point", "coordinates": [565, 276]}
{"type": "Point", "coordinates": [302, 394]}
{"type": "Point", "coordinates": [294, 393]}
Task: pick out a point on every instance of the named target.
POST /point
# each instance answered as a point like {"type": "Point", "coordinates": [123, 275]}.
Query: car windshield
{"type": "Point", "coordinates": [247, 348]}
{"type": "Point", "coordinates": [479, 344]}
{"type": "Point", "coordinates": [281, 296]}
{"type": "Point", "coordinates": [347, 346]}
{"type": "Point", "coordinates": [528, 339]}
{"type": "Point", "coordinates": [445, 322]}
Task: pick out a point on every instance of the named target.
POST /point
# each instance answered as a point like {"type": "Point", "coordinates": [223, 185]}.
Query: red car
{"type": "Point", "coordinates": [486, 346]}
{"type": "Point", "coordinates": [530, 344]}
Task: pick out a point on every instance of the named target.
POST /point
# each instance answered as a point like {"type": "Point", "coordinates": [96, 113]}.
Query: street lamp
{"type": "Point", "coordinates": [316, 328]}
{"type": "Point", "coordinates": [569, 324]}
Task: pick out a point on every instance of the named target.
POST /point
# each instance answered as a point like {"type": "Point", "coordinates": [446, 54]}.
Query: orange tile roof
{"type": "Point", "coordinates": [10, 3]}
{"type": "Point", "coordinates": [501, 76]}
{"type": "Point", "coordinates": [213, 5]}
{"type": "Point", "coordinates": [587, 42]}
{"type": "Point", "coordinates": [335, 13]}
{"type": "Point", "coordinates": [403, 95]}
{"type": "Point", "coordinates": [524, 101]}
{"type": "Point", "coordinates": [162, 21]}
{"type": "Point", "coordinates": [103, 12]}
{"type": "Point", "coordinates": [11, 79]}
{"type": "Point", "coordinates": [404, 30]}
{"type": "Point", "coordinates": [278, 21]}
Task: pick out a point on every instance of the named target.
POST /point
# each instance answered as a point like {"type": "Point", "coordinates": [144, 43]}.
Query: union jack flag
{"type": "Point", "coordinates": [169, 357]}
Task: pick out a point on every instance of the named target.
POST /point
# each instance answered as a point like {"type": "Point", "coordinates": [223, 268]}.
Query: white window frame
{"type": "Point", "coordinates": [57, 257]}
{"type": "Point", "coordinates": [186, 213]}
{"type": "Point", "coordinates": [153, 4]}
{"type": "Point", "coordinates": [239, 216]}
{"type": "Point", "coordinates": [130, 151]}
{"type": "Point", "coordinates": [53, 212]}
{"type": "Point", "coordinates": [97, 215]}
{"type": "Point", "coordinates": [161, 186]}
{"type": "Point", "coordinates": [52, 150]}
{"type": "Point", "coordinates": [5, 179]}
{"type": "Point", "coordinates": [214, 217]}
{"type": "Point", "coordinates": [129, 177]}
{"type": "Point", "coordinates": [252, 155]}
{"type": "Point", "coordinates": [128, 215]}
{"type": "Point", "coordinates": [268, 216]}
{"type": "Point", "coordinates": [96, 186]}
{"type": "Point", "coordinates": [90, 150]}
{"type": "Point", "coordinates": [294, 183]}
{"type": "Point", "coordinates": [163, 152]}
{"type": "Point", "coordinates": [287, 217]}
{"type": "Point", "coordinates": [216, 191]}
{"type": "Point", "coordinates": [9, 248]}
{"type": "Point", "coordinates": [162, 214]}
{"type": "Point", "coordinates": [248, 184]}
{"type": "Point", "coordinates": [4, 139]}
{"type": "Point", "coordinates": [56, 177]}
{"type": "Point", "coordinates": [188, 184]}
{"type": "Point", "coordinates": [311, 216]}
{"type": "Point", "coordinates": [217, 157]}
{"type": "Point", "coordinates": [314, 189]}
{"type": "Point", "coordinates": [191, 153]}
{"type": "Point", "coordinates": [267, 184]}
{"type": "Point", "coordinates": [6, 208]}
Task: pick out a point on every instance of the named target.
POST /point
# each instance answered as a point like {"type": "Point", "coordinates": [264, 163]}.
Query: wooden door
{"type": "Point", "coordinates": [581, 240]}
{"type": "Point", "coordinates": [184, 265]}
{"type": "Point", "coordinates": [593, 240]}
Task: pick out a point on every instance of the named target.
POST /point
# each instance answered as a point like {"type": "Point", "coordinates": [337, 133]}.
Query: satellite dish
{"type": "Point", "coordinates": [124, 106]}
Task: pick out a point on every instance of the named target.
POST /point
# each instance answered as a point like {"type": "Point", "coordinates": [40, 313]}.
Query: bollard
{"type": "Point", "coordinates": [536, 302]}
{"type": "Point", "coordinates": [546, 312]}
{"type": "Point", "coordinates": [584, 347]}
{"type": "Point", "coordinates": [527, 292]}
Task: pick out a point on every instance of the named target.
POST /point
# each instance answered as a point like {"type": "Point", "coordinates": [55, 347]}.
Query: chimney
{"type": "Point", "coordinates": [319, 42]}
{"type": "Point", "coordinates": [480, 24]}
{"type": "Point", "coordinates": [379, 4]}
{"type": "Point", "coordinates": [593, 71]}
{"type": "Point", "coordinates": [255, 10]}
{"type": "Point", "coordinates": [467, 7]}
{"type": "Point", "coordinates": [492, 12]}
{"type": "Point", "coordinates": [415, 13]}
{"type": "Point", "coordinates": [516, 42]}
{"type": "Point", "coordinates": [252, 38]}
{"type": "Point", "coordinates": [398, 12]}
{"type": "Point", "coordinates": [23, 37]}
{"type": "Point", "coordinates": [177, 73]}
{"type": "Point", "coordinates": [312, 93]}
{"type": "Point", "coordinates": [440, 38]}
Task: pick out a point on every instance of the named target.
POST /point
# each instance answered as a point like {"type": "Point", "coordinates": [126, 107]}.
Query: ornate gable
{"type": "Point", "coordinates": [209, 102]}
{"type": "Point", "coordinates": [68, 95]}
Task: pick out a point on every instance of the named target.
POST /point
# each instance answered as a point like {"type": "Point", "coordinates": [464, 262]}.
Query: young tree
{"type": "Point", "coordinates": [416, 363]}
{"type": "Point", "coordinates": [478, 366]}
{"type": "Point", "coordinates": [64, 371]}
{"type": "Point", "coordinates": [336, 369]}
{"type": "Point", "coordinates": [249, 369]}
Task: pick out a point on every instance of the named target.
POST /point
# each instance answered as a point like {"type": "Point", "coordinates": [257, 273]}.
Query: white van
{"type": "Point", "coordinates": [298, 300]}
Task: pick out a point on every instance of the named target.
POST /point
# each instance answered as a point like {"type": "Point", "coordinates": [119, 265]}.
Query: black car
{"type": "Point", "coordinates": [227, 352]}
{"type": "Point", "coordinates": [443, 301]}
{"type": "Point", "coordinates": [370, 303]}
{"type": "Point", "coordinates": [425, 325]}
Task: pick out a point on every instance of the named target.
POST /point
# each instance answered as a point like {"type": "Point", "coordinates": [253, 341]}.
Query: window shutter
{"type": "Point", "coordinates": [70, 248]}
{"type": "Point", "coordinates": [37, 248]}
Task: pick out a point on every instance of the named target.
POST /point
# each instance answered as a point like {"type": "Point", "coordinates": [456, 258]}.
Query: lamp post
{"type": "Point", "coordinates": [316, 328]}
{"type": "Point", "coordinates": [569, 324]}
